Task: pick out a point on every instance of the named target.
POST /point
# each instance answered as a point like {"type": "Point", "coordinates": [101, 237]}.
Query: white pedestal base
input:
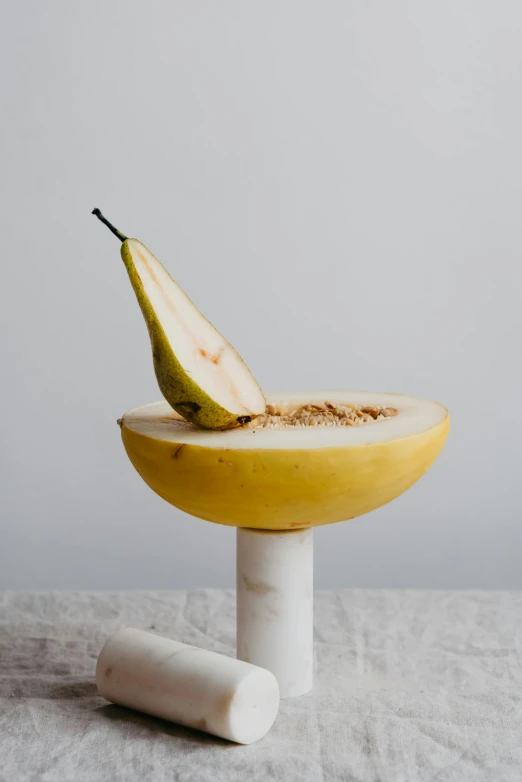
{"type": "Point", "coordinates": [275, 605]}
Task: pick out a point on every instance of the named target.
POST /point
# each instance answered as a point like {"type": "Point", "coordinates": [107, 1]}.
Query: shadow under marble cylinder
{"type": "Point", "coordinates": [275, 605]}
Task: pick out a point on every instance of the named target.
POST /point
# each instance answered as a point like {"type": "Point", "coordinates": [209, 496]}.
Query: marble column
{"type": "Point", "coordinates": [275, 605]}
{"type": "Point", "coordinates": [190, 686]}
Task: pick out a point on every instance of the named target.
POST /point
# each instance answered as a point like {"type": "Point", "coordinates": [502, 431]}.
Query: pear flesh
{"type": "Point", "coordinates": [199, 373]}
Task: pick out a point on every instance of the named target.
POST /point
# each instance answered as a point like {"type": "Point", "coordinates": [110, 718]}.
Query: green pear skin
{"type": "Point", "coordinates": [182, 393]}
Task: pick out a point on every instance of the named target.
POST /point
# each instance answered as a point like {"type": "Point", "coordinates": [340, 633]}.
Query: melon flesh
{"type": "Point", "coordinates": [288, 478]}
{"type": "Point", "coordinates": [413, 417]}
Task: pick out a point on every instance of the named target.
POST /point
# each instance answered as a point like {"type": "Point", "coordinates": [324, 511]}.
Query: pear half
{"type": "Point", "coordinates": [288, 478]}
{"type": "Point", "coordinates": [199, 373]}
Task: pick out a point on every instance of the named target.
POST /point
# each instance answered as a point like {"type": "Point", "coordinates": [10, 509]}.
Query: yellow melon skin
{"type": "Point", "coordinates": [280, 489]}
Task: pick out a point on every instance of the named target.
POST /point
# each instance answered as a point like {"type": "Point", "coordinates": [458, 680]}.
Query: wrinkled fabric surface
{"type": "Point", "coordinates": [410, 685]}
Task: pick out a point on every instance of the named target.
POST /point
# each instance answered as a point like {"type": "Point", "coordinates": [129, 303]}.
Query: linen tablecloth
{"type": "Point", "coordinates": [410, 685]}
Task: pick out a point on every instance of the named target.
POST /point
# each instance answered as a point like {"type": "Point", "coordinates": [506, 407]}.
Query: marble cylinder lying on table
{"type": "Point", "coordinates": [191, 686]}
{"type": "Point", "coordinates": [275, 605]}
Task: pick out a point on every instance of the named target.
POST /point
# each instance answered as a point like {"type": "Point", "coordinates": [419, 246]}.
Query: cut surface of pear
{"type": "Point", "coordinates": [292, 477]}
{"type": "Point", "coordinates": [199, 373]}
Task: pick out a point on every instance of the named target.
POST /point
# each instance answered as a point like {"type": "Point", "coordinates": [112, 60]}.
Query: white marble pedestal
{"type": "Point", "coordinates": [275, 605]}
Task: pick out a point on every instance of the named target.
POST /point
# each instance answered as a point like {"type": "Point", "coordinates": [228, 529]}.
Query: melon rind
{"type": "Point", "coordinates": [286, 479]}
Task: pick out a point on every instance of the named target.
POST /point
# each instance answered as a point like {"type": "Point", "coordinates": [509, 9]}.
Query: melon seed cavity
{"type": "Point", "coordinates": [326, 414]}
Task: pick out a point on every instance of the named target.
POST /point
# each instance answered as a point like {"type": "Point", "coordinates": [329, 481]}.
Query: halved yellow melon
{"type": "Point", "coordinates": [279, 475]}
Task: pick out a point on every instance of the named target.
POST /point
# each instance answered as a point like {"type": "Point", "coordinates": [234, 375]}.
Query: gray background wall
{"type": "Point", "coordinates": [338, 187]}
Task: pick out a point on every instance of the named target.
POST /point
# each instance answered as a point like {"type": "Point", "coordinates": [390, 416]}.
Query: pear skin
{"type": "Point", "coordinates": [198, 387]}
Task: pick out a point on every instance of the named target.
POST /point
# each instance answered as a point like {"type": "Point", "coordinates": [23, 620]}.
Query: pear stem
{"type": "Point", "coordinates": [110, 226]}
